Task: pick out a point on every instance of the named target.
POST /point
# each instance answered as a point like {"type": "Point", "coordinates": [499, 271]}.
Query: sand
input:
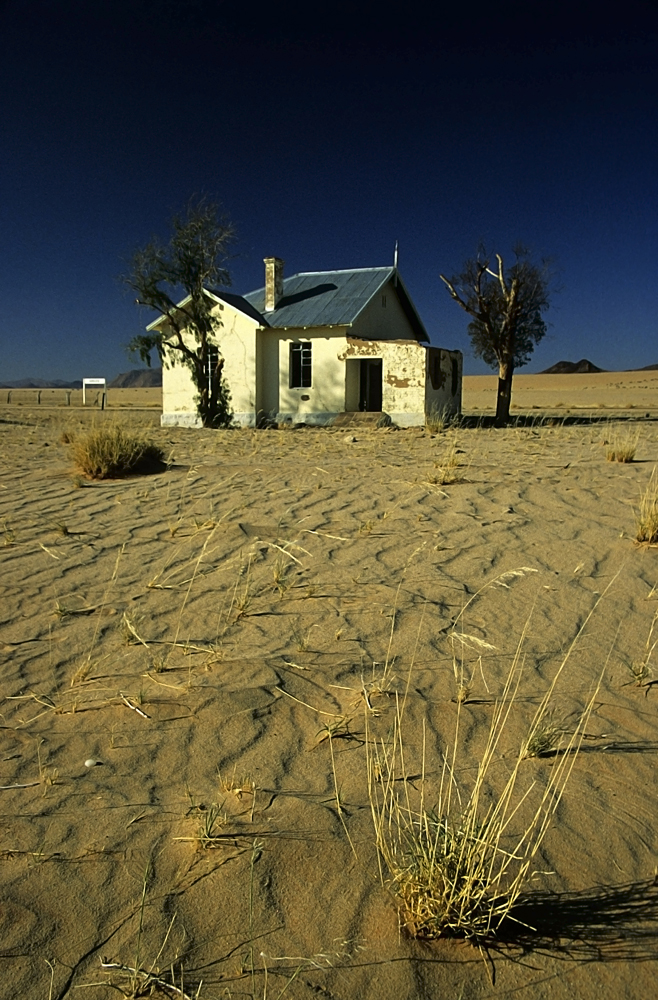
{"type": "Point", "coordinates": [598, 391]}
{"type": "Point", "coordinates": [199, 632]}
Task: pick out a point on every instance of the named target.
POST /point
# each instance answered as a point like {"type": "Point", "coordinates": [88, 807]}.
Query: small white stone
{"type": "Point", "coordinates": [92, 762]}
{"type": "Point", "coordinates": [349, 439]}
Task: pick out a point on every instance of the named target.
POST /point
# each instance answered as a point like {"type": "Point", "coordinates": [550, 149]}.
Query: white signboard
{"type": "Point", "coordinates": [92, 381]}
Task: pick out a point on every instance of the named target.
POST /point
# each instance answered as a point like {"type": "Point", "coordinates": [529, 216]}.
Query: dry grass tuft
{"type": "Point", "coordinates": [302, 637]}
{"type": "Point", "coordinates": [544, 738]}
{"type": "Point", "coordinates": [8, 538]}
{"type": "Point", "coordinates": [438, 418]}
{"type": "Point", "coordinates": [640, 672]}
{"type": "Point", "coordinates": [622, 445]}
{"type": "Point", "coordinates": [646, 520]}
{"type": "Point", "coordinates": [81, 674]}
{"type": "Point", "coordinates": [113, 451]}
{"type": "Point", "coordinates": [447, 468]}
{"type": "Point", "coordinates": [459, 857]}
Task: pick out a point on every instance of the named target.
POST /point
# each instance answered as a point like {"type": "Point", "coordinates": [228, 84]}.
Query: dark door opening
{"type": "Point", "coordinates": [370, 387]}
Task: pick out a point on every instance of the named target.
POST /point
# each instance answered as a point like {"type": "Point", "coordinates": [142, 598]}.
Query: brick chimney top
{"type": "Point", "coordinates": [273, 282]}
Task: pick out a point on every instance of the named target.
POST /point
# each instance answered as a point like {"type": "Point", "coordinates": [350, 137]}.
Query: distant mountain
{"type": "Point", "coordinates": [40, 383]}
{"type": "Point", "coordinates": [139, 378]}
{"type": "Point", "coordinates": [647, 368]}
{"type": "Point", "coordinates": [582, 367]}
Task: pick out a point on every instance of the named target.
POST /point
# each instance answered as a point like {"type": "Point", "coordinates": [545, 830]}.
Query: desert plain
{"type": "Point", "coordinates": [200, 665]}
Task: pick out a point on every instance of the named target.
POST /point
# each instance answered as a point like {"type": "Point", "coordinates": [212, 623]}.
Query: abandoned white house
{"type": "Point", "coordinates": [309, 347]}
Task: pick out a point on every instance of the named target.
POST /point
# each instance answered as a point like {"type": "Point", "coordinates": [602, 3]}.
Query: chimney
{"type": "Point", "coordinates": [273, 282]}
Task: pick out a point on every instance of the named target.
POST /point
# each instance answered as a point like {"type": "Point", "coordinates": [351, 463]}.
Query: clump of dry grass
{"type": "Point", "coordinates": [438, 418]}
{"type": "Point", "coordinates": [544, 737]}
{"type": "Point", "coordinates": [646, 519]}
{"type": "Point", "coordinates": [447, 468]}
{"type": "Point", "coordinates": [8, 535]}
{"type": "Point", "coordinates": [622, 445]}
{"type": "Point", "coordinates": [459, 857]}
{"type": "Point", "coordinates": [640, 672]}
{"type": "Point", "coordinates": [210, 831]}
{"type": "Point", "coordinates": [113, 450]}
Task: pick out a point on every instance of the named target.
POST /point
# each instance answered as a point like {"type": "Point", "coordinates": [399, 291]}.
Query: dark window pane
{"type": "Point", "coordinates": [300, 366]}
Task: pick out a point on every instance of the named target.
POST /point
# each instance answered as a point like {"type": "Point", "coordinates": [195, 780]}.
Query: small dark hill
{"type": "Point", "coordinates": [646, 368]}
{"type": "Point", "coordinates": [139, 378]}
{"type": "Point", "coordinates": [40, 383]}
{"type": "Point", "coordinates": [582, 367]}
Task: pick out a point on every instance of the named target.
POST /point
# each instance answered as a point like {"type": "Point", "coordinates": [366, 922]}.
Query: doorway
{"type": "Point", "coordinates": [370, 386]}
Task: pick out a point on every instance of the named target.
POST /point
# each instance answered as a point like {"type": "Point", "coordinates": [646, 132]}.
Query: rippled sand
{"type": "Point", "coordinates": [200, 632]}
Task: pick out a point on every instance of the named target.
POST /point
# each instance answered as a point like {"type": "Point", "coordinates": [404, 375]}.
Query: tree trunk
{"type": "Point", "coordinates": [504, 398]}
{"type": "Point", "coordinates": [213, 402]}
{"type": "Point", "coordinates": [200, 377]}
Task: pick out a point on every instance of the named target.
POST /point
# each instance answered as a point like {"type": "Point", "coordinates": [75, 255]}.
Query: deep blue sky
{"type": "Point", "coordinates": [327, 133]}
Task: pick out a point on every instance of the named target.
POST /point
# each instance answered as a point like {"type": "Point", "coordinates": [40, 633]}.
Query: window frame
{"type": "Point", "coordinates": [212, 361]}
{"type": "Point", "coordinates": [300, 361]}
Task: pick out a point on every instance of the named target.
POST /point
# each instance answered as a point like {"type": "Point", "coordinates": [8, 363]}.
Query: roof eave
{"type": "Point", "coordinates": [216, 298]}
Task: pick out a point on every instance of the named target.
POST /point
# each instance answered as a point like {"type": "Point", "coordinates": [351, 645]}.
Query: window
{"type": "Point", "coordinates": [211, 365]}
{"type": "Point", "coordinates": [300, 366]}
{"type": "Point", "coordinates": [437, 376]}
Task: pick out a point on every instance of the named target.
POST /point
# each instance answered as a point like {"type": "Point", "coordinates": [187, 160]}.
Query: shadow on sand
{"type": "Point", "coordinates": [542, 419]}
{"type": "Point", "coordinates": [608, 923]}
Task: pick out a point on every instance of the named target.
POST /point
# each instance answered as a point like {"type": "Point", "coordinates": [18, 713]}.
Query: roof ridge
{"type": "Point", "coordinates": [344, 270]}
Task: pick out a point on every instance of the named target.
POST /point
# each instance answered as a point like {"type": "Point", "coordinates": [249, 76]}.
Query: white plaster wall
{"type": "Point", "coordinates": [404, 383]}
{"type": "Point", "coordinates": [352, 384]}
{"type": "Point", "coordinates": [237, 344]}
{"type": "Point", "coordinates": [326, 394]}
{"type": "Point", "coordinates": [178, 393]}
{"type": "Point", "coordinates": [267, 374]}
{"type": "Point", "coordinates": [236, 339]}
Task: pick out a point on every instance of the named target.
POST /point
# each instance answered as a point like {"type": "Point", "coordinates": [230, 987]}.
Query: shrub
{"type": "Point", "coordinates": [112, 451]}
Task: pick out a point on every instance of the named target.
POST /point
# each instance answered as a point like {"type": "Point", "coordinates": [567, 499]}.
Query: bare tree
{"type": "Point", "coordinates": [174, 279]}
{"type": "Point", "coordinates": [507, 312]}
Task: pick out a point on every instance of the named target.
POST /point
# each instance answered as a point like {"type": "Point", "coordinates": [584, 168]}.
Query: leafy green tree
{"type": "Point", "coordinates": [173, 278]}
{"type": "Point", "coordinates": [506, 309]}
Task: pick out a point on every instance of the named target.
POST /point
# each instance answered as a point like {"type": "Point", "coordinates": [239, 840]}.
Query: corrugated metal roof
{"type": "Point", "coordinates": [322, 298]}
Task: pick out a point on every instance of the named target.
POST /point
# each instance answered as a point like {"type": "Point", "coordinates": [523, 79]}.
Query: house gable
{"type": "Point", "coordinates": [236, 303]}
{"type": "Point", "coordinates": [389, 315]}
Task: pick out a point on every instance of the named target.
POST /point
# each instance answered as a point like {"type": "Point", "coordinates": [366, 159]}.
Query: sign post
{"type": "Point", "coordinates": [93, 381]}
